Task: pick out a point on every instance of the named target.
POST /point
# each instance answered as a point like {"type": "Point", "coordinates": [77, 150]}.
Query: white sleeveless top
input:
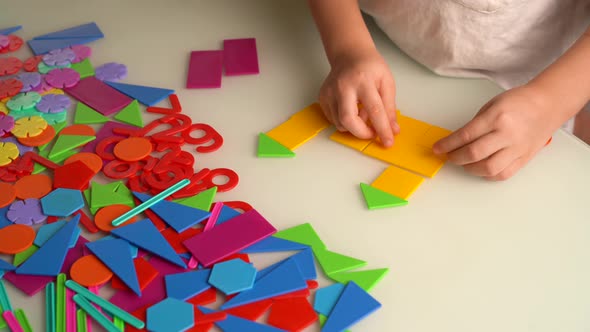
{"type": "Point", "coordinates": [506, 41]}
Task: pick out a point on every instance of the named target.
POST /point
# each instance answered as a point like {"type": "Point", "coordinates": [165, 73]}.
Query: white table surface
{"type": "Point", "coordinates": [465, 255]}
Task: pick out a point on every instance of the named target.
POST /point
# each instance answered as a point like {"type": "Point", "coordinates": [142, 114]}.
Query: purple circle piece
{"type": "Point", "coordinates": [111, 72]}
{"type": "Point", "coordinates": [53, 103]}
{"type": "Point", "coordinates": [27, 212]}
{"type": "Point", "coordinates": [30, 81]}
{"type": "Point", "coordinates": [61, 57]}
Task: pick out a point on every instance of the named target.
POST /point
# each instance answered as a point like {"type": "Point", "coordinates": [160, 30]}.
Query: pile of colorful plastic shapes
{"type": "Point", "coordinates": [177, 258]}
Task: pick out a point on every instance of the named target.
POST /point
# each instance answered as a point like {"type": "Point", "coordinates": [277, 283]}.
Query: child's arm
{"type": "Point", "coordinates": [358, 75]}
{"type": "Point", "coordinates": [510, 129]}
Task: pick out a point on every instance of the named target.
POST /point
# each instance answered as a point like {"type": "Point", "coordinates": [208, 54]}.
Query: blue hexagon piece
{"type": "Point", "coordinates": [233, 276]}
{"type": "Point", "coordinates": [62, 202]}
{"type": "Point", "coordinates": [170, 315]}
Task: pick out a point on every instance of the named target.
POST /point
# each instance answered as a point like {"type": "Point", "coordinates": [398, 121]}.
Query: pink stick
{"type": "Point", "coordinates": [71, 316]}
{"type": "Point", "coordinates": [214, 216]}
{"type": "Point", "coordinates": [193, 263]}
{"type": "Point", "coordinates": [12, 322]}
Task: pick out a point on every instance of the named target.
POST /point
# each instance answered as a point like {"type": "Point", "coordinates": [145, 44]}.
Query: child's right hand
{"type": "Point", "coordinates": [361, 78]}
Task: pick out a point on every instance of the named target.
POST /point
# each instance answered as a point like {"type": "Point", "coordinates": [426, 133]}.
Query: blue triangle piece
{"type": "Point", "coordinates": [42, 46]}
{"type": "Point", "coordinates": [183, 286]}
{"type": "Point", "coordinates": [236, 324]}
{"type": "Point", "coordinates": [305, 262]}
{"type": "Point", "coordinates": [285, 278]}
{"type": "Point", "coordinates": [353, 305]}
{"type": "Point", "coordinates": [178, 216]}
{"type": "Point", "coordinates": [10, 30]}
{"type": "Point", "coordinates": [115, 254]}
{"type": "Point", "coordinates": [48, 230]}
{"type": "Point", "coordinates": [146, 95]}
{"type": "Point", "coordinates": [326, 298]}
{"type": "Point", "coordinates": [81, 31]}
{"type": "Point", "coordinates": [133, 249]}
{"type": "Point", "coordinates": [273, 244]}
{"type": "Point", "coordinates": [3, 220]}
{"type": "Point", "coordinates": [226, 214]}
{"type": "Point", "coordinates": [4, 266]}
{"type": "Point", "coordinates": [146, 236]}
{"type": "Point", "coordinates": [48, 260]}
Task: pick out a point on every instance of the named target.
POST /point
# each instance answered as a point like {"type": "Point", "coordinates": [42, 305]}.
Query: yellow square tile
{"type": "Point", "coordinates": [350, 140]}
{"type": "Point", "coordinates": [411, 127]}
{"type": "Point", "coordinates": [300, 128]}
{"type": "Point", "coordinates": [433, 135]}
{"type": "Point", "coordinates": [407, 155]}
{"type": "Point", "coordinates": [398, 182]}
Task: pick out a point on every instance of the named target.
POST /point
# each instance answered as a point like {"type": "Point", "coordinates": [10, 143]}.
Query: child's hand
{"type": "Point", "coordinates": [506, 133]}
{"type": "Point", "coordinates": [361, 78]}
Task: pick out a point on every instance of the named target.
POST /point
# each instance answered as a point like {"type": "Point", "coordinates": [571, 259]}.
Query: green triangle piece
{"type": "Point", "coordinates": [131, 114]}
{"type": "Point", "coordinates": [102, 195]}
{"type": "Point", "coordinates": [322, 319]}
{"type": "Point", "coordinates": [202, 200]}
{"type": "Point", "coordinates": [58, 127]}
{"type": "Point", "coordinates": [66, 143]}
{"type": "Point", "coordinates": [269, 148]}
{"type": "Point", "coordinates": [379, 199]}
{"type": "Point", "coordinates": [124, 195]}
{"type": "Point", "coordinates": [84, 68]}
{"type": "Point", "coordinates": [88, 196]}
{"type": "Point", "coordinates": [304, 234]}
{"type": "Point", "coordinates": [332, 262]}
{"type": "Point", "coordinates": [365, 279]}
{"type": "Point", "coordinates": [86, 115]}
{"type": "Point", "coordinates": [24, 255]}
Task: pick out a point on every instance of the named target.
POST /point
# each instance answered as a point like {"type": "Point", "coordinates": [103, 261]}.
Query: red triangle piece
{"type": "Point", "coordinates": [252, 311]}
{"type": "Point", "coordinates": [293, 314]}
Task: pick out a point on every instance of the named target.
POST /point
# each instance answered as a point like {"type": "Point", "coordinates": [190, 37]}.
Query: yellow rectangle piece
{"type": "Point", "coordinates": [350, 140]}
{"type": "Point", "coordinates": [398, 182]}
{"type": "Point", "coordinates": [410, 127]}
{"type": "Point", "coordinates": [408, 155]}
{"type": "Point", "coordinates": [433, 135]}
{"type": "Point", "coordinates": [300, 128]}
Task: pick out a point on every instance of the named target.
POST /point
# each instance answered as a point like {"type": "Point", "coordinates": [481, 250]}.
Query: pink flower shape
{"type": "Point", "coordinates": [62, 78]}
{"type": "Point", "coordinates": [82, 52]}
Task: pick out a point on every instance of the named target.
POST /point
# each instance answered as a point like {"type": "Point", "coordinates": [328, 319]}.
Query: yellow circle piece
{"type": "Point", "coordinates": [53, 91]}
{"type": "Point", "coordinates": [8, 153]}
{"type": "Point", "coordinates": [29, 126]}
{"type": "Point", "coordinates": [3, 108]}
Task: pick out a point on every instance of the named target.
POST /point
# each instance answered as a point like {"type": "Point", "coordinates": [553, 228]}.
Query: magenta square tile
{"type": "Point", "coordinates": [205, 69]}
{"type": "Point", "coordinates": [240, 57]}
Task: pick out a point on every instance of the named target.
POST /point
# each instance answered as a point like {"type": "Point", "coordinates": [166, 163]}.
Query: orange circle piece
{"type": "Point", "coordinates": [133, 149]}
{"type": "Point", "coordinates": [89, 271]}
{"type": "Point", "coordinates": [7, 194]}
{"type": "Point", "coordinates": [79, 129]}
{"type": "Point", "coordinates": [105, 216]}
{"type": "Point", "coordinates": [91, 160]}
{"type": "Point", "coordinates": [45, 137]}
{"type": "Point", "coordinates": [33, 186]}
{"type": "Point", "coordinates": [16, 238]}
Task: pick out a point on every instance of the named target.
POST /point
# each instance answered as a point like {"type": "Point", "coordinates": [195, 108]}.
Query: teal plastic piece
{"type": "Point", "coordinates": [146, 95]}
{"type": "Point", "coordinates": [115, 254]}
{"type": "Point", "coordinates": [326, 298]}
{"type": "Point", "coordinates": [353, 305]}
{"type": "Point", "coordinates": [236, 324]}
{"type": "Point", "coordinates": [105, 305]}
{"type": "Point", "coordinates": [170, 315]}
{"type": "Point", "coordinates": [50, 307]}
{"type": "Point", "coordinates": [178, 216]}
{"type": "Point", "coordinates": [146, 236]}
{"type": "Point", "coordinates": [285, 278]}
{"type": "Point", "coordinates": [150, 202]}
{"type": "Point", "coordinates": [185, 285]}
{"type": "Point", "coordinates": [48, 230]}
{"type": "Point", "coordinates": [4, 299]}
{"type": "Point", "coordinates": [95, 314]}
{"type": "Point", "coordinates": [62, 202]}
{"type": "Point", "coordinates": [233, 276]}
{"type": "Point", "coordinates": [48, 260]}
{"type": "Point", "coordinates": [273, 244]}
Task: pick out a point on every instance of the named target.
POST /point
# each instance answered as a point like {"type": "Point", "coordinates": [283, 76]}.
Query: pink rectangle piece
{"type": "Point", "coordinates": [204, 70]}
{"type": "Point", "coordinates": [71, 315]}
{"type": "Point", "coordinates": [99, 96]}
{"type": "Point", "coordinates": [229, 238]}
{"type": "Point", "coordinates": [240, 57]}
{"type": "Point", "coordinates": [12, 322]}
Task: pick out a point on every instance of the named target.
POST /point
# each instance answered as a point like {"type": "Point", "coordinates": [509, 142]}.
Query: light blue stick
{"type": "Point", "coordinates": [95, 314]}
{"type": "Point", "coordinates": [4, 300]}
{"type": "Point", "coordinates": [50, 307]}
{"type": "Point", "coordinates": [150, 202]}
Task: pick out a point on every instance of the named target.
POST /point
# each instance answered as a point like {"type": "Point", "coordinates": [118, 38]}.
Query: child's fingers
{"type": "Point", "coordinates": [387, 92]}
{"type": "Point", "coordinates": [509, 171]}
{"type": "Point", "coordinates": [330, 112]}
{"type": "Point", "coordinates": [493, 165]}
{"type": "Point", "coordinates": [473, 130]}
{"type": "Point", "coordinates": [348, 116]}
{"type": "Point", "coordinates": [372, 103]}
{"type": "Point", "coordinates": [480, 149]}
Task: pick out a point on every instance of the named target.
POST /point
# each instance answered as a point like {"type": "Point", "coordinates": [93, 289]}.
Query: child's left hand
{"type": "Point", "coordinates": [504, 135]}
